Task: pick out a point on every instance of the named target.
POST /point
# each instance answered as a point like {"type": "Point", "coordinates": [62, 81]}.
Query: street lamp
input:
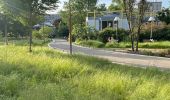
{"type": "Point", "coordinates": [151, 20]}
{"type": "Point", "coordinates": [116, 20]}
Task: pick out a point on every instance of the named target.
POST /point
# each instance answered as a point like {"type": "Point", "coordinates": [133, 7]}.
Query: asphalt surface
{"type": "Point", "coordinates": [115, 57]}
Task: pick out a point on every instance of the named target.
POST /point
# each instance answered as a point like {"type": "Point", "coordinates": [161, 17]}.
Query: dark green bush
{"type": "Point", "coordinates": [109, 32]}
{"type": "Point", "coordinates": [159, 35]}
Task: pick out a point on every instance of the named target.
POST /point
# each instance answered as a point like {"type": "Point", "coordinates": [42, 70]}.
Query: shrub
{"type": "Point", "coordinates": [91, 43]}
{"type": "Point", "coordinates": [109, 32]}
{"type": "Point", "coordinates": [46, 31]}
{"type": "Point", "coordinates": [42, 33]}
{"type": "Point", "coordinates": [84, 32]}
{"type": "Point", "coordinates": [159, 35]}
{"type": "Point", "coordinates": [105, 34]}
{"type": "Point", "coordinates": [62, 31]}
{"type": "Point", "coordinates": [112, 45]}
{"type": "Point", "coordinates": [36, 34]}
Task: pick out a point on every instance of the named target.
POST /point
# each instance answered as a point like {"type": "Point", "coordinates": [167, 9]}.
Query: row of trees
{"type": "Point", "coordinates": [26, 12]}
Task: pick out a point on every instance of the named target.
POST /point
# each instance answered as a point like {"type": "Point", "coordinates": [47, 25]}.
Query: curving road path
{"type": "Point", "coordinates": [115, 57]}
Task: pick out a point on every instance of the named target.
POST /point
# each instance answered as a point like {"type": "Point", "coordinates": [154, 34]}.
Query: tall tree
{"type": "Point", "coordinates": [28, 10]}
{"type": "Point", "coordinates": [142, 7]}
{"type": "Point", "coordinates": [101, 7]}
{"type": "Point", "coordinates": [79, 10]}
{"type": "Point", "coordinates": [116, 5]}
{"type": "Point", "coordinates": [135, 17]}
{"type": "Point", "coordinates": [164, 16]}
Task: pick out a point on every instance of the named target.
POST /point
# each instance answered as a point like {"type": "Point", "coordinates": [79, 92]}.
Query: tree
{"type": "Point", "coordinates": [164, 16]}
{"type": "Point", "coordinates": [142, 7]}
{"type": "Point", "coordinates": [29, 10]}
{"type": "Point", "coordinates": [116, 5]}
{"type": "Point", "coordinates": [79, 10]}
{"type": "Point", "coordinates": [135, 18]}
{"type": "Point", "coordinates": [101, 7]}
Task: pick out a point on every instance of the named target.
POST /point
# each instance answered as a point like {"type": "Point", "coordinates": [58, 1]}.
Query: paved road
{"type": "Point", "coordinates": [115, 57]}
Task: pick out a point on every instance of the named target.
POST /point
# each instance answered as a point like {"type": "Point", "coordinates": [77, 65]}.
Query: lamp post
{"type": "Point", "coordinates": [70, 29]}
{"type": "Point", "coordinates": [151, 20]}
{"type": "Point", "coordinates": [116, 19]}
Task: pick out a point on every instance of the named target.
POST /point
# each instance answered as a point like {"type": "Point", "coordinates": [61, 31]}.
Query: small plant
{"type": "Point", "coordinates": [113, 44]}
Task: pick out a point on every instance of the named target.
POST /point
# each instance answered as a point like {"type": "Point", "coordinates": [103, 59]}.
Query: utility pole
{"type": "Point", "coordinates": [70, 27]}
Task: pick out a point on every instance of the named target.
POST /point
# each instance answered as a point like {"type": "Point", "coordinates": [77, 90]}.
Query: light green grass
{"type": "Point", "coordinates": [149, 45]}
{"type": "Point", "coordinates": [47, 74]}
{"type": "Point", "coordinates": [90, 43]}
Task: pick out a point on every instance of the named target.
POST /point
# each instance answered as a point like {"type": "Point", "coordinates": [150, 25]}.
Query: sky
{"type": "Point", "coordinates": [166, 4]}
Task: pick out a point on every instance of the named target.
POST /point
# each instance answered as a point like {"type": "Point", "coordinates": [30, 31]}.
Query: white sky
{"type": "Point", "coordinates": [166, 3]}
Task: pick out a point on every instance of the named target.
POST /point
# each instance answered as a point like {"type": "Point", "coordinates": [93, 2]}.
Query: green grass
{"type": "Point", "coordinates": [91, 43]}
{"type": "Point", "coordinates": [46, 74]}
{"type": "Point", "coordinates": [149, 45]}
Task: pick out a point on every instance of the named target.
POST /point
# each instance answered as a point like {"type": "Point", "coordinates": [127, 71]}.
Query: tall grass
{"type": "Point", "coordinates": [47, 74]}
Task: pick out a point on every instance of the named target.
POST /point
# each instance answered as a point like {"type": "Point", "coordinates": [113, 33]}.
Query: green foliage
{"type": "Point", "coordinates": [36, 34]}
{"type": "Point", "coordinates": [112, 45]}
{"type": "Point", "coordinates": [90, 43]}
{"type": "Point", "coordinates": [164, 16]}
{"type": "Point", "coordinates": [42, 33]}
{"type": "Point", "coordinates": [109, 32]}
{"type": "Point", "coordinates": [159, 35]}
{"type": "Point", "coordinates": [84, 32]}
{"type": "Point", "coordinates": [47, 74]}
{"type": "Point", "coordinates": [62, 30]}
{"type": "Point", "coordinates": [80, 8]}
{"type": "Point", "coordinates": [105, 34]}
{"type": "Point", "coordinates": [101, 7]}
{"type": "Point", "coordinates": [46, 31]}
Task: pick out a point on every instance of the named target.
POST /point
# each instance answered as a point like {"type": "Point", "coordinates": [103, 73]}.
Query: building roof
{"type": "Point", "coordinates": [108, 17]}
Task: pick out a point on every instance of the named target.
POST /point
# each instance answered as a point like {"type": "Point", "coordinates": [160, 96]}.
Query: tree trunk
{"type": "Point", "coordinates": [30, 35]}
{"type": "Point", "coordinates": [70, 29]}
{"type": "Point", "coordinates": [132, 42]}
{"type": "Point", "coordinates": [6, 31]}
{"type": "Point", "coordinates": [137, 39]}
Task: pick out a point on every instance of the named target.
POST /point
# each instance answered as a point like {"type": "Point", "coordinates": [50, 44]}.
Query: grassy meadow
{"type": "Point", "coordinates": [47, 74]}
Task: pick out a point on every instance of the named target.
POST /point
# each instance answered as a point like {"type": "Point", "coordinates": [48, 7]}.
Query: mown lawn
{"type": "Point", "coordinates": [47, 74]}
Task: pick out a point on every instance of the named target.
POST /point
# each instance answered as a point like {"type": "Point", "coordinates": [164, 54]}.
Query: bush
{"type": "Point", "coordinates": [42, 33]}
{"type": "Point", "coordinates": [62, 31]}
{"type": "Point", "coordinates": [36, 34]}
{"type": "Point", "coordinates": [109, 32]}
{"type": "Point", "coordinates": [91, 43]}
{"type": "Point", "coordinates": [159, 35]}
{"type": "Point", "coordinates": [84, 32]}
{"type": "Point", "coordinates": [112, 45]}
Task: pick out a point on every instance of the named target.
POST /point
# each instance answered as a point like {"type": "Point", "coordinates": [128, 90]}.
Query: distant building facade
{"type": "Point", "coordinates": [50, 19]}
{"type": "Point", "coordinates": [154, 6]}
{"type": "Point", "coordinates": [99, 23]}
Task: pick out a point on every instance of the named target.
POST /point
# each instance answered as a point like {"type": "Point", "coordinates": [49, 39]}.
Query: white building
{"type": "Point", "coordinates": [108, 20]}
{"type": "Point", "coordinates": [154, 5]}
